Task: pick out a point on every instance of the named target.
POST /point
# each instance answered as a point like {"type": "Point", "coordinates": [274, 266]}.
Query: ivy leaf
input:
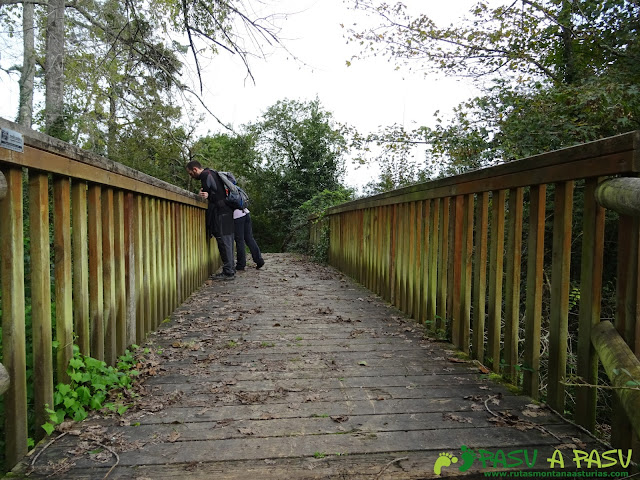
{"type": "Point", "coordinates": [76, 363]}
{"type": "Point", "coordinates": [47, 427]}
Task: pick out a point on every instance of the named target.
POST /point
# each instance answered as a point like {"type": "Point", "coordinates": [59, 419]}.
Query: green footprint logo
{"type": "Point", "coordinates": [444, 460]}
{"type": "Point", "coordinates": [468, 456]}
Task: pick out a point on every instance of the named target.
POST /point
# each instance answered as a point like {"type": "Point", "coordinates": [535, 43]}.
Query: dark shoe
{"type": "Point", "coordinates": [239, 268]}
{"type": "Point", "coordinates": [260, 265]}
{"type": "Point", "coordinates": [223, 276]}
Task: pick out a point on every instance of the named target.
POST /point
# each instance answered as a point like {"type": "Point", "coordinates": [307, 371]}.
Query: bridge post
{"type": "Point", "coordinates": [622, 195]}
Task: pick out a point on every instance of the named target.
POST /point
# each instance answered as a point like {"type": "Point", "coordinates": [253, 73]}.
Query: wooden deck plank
{"type": "Point", "coordinates": [309, 371]}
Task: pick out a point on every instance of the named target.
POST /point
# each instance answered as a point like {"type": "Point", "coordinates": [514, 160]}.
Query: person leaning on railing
{"type": "Point", "coordinates": [219, 216]}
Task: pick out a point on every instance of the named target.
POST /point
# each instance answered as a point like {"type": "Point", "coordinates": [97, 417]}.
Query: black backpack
{"type": "Point", "coordinates": [235, 197]}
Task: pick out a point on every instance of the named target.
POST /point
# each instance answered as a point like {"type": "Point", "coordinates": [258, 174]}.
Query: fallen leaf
{"type": "Point", "coordinates": [340, 418]}
{"type": "Point", "coordinates": [173, 436]}
{"type": "Point", "coordinates": [456, 418]}
{"type": "Point", "coordinates": [362, 363]}
{"type": "Point", "coordinates": [456, 360]}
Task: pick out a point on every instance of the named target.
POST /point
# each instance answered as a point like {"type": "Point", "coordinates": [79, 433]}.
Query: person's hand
{"type": "Point", "coordinates": [204, 194]}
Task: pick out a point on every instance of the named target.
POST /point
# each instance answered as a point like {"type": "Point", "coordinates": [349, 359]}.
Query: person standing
{"type": "Point", "coordinates": [219, 216]}
{"type": "Point", "coordinates": [244, 235]}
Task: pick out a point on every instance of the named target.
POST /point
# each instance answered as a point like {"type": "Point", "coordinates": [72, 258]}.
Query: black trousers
{"type": "Point", "coordinates": [223, 231]}
{"type": "Point", "coordinates": [244, 236]}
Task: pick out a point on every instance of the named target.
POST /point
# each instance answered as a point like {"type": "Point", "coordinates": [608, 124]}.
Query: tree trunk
{"type": "Point", "coordinates": [112, 124]}
{"type": "Point", "coordinates": [54, 69]}
{"type": "Point", "coordinates": [568, 55]}
{"type": "Point", "coordinates": [25, 109]}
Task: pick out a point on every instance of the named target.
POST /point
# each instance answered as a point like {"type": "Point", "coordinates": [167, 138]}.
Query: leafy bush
{"type": "Point", "coordinates": [94, 386]}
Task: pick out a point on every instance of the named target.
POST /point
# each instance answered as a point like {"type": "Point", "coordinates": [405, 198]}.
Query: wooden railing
{"type": "Point", "coordinates": [450, 253]}
{"type": "Point", "coordinates": [127, 250]}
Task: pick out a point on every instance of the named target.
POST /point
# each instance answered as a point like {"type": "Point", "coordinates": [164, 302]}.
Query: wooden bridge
{"type": "Point", "coordinates": [296, 371]}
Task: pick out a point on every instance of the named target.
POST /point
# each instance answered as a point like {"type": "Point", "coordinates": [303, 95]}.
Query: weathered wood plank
{"type": "Point", "coordinates": [109, 311]}
{"type": "Point", "coordinates": [496, 258]}
{"type": "Point", "coordinates": [80, 266]}
{"type": "Point", "coordinates": [533, 308]}
{"type": "Point", "coordinates": [622, 366]}
{"type": "Point", "coordinates": [480, 276]}
{"type": "Point", "coordinates": [466, 264]}
{"type": "Point", "coordinates": [122, 263]}
{"type": "Point", "coordinates": [432, 266]}
{"type": "Point", "coordinates": [626, 312]}
{"type": "Point", "coordinates": [138, 242]}
{"type": "Point", "coordinates": [559, 318]}
{"type": "Point", "coordinates": [611, 156]}
{"type": "Point", "coordinates": [96, 283]}
{"type": "Point", "coordinates": [443, 264]}
{"type": "Point", "coordinates": [272, 392]}
{"type": "Point", "coordinates": [590, 297]}
{"type": "Point", "coordinates": [621, 195]}
{"type": "Point", "coordinates": [67, 160]}
{"type": "Point", "coordinates": [40, 297]}
{"type": "Point", "coordinates": [62, 275]}
{"type": "Point", "coordinates": [456, 259]}
{"type": "Point", "coordinates": [512, 284]}
{"type": "Point", "coordinates": [13, 317]}
{"type": "Point", "coordinates": [422, 269]}
{"type": "Point", "coordinates": [146, 291]}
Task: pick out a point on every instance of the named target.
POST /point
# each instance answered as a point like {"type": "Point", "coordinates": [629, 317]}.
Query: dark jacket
{"type": "Point", "coordinates": [219, 214]}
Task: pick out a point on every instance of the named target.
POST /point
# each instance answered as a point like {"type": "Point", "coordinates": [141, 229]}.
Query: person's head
{"type": "Point", "coordinates": [194, 168]}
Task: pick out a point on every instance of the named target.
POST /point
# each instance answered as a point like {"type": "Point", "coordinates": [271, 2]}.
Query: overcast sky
{"type": "Point", "coordinates": [368, 94]}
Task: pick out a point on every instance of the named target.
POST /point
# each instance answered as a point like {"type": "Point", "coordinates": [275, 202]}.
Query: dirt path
{"type": "Point", "coordinates": [294, 371]}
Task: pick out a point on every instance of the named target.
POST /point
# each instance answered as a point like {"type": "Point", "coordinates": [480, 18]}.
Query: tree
{"type": "Point", "coordinates": [301, 151]}
{"type": "Point", "coordinates": [554, 73]}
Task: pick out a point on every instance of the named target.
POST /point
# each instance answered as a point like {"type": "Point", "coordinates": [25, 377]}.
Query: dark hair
{"type": "Point", "coordinates": [193, 164]}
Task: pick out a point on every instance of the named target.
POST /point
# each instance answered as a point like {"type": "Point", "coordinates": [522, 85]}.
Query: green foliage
{"type": "Point", "coordinates": [554, 73]}
{"type": "Point", "coordinates": [94, 386]}
{"type": "Point", "coordinates": [300, 150]}
{"type": "Point", "coordinates": [313, 212]}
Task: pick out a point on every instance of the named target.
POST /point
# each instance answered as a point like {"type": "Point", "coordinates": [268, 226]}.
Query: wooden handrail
{"type": "Point", "coordinates": [4, 379]}
{"type": "Point", "coordinates": [128, 249]}
{"type": "Point", "coordinates": [449, 252]}
{"type": "Point", "coordinates": [621, 195]}
{"type": "Point", "coordinates": [622, 367]}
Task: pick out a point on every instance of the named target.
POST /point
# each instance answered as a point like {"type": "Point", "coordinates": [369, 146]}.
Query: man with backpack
{"type": "Point", "coordinates": [219, 215]}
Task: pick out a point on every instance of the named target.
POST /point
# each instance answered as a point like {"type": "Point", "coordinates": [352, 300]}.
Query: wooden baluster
{"type": "Point", "coordinates": [138, 242]}
{"type": "Point", "coordinates": [40, 298]}
{"type": "Point", "coordinates": [13, 317]}
{"type": "Point", "coordinates": [535, 273]}
{"type": "Point", "coordinates": [466, 271]}
{"type": "Point", "coordinates": [80, 266]}
{"type": "Point", "coordinates": [496, 257]}
{"type": "Point", "coordinates": [62, 275]}
{"type": "Point", "coordinates": [120, 228]}
{"type": "Point", "coordinates": [96, 285]}
{"type": "Point", "coordinates": [560, 282]}
{"type": "Point", "coordinates": [443, 264]}
{"type": "Point", "coordinates": [109, 277]}
{"type": "Point", "coordinates": [512, 283]}
{"type": "Point", "coordinates": [432, 266]}
{"type": "Point", "coordinates": [590, 304]}
{"type": "Point", "coordinates": [422, 259]}
{"type": "Point", "coordinates": [456, 262]}
{"type": "Point", "coordinates": [480, 276]}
